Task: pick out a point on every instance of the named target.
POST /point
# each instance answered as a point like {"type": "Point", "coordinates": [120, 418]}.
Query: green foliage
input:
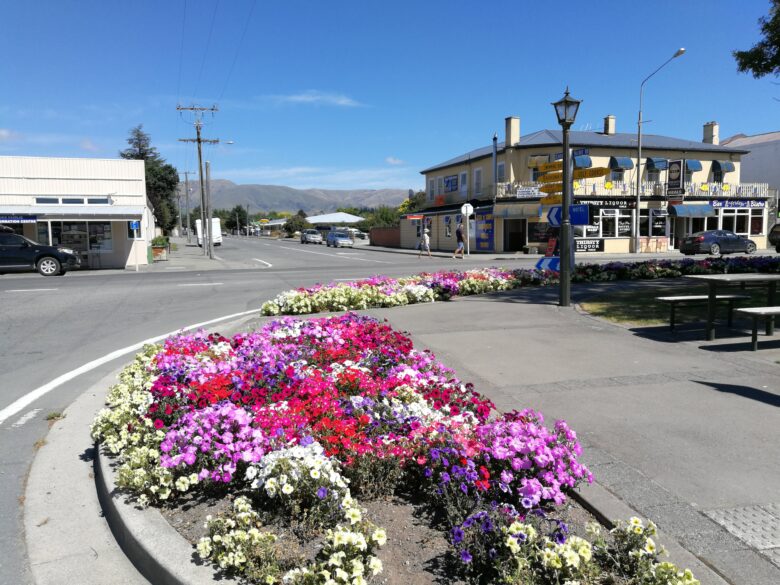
{"type": "Point", "coordinates": [162, 178]}
{"type": "Point", "coordinates": [416, 203]}
{"type": "Point", "coordinates": [237, 213]}
{"type": "Point", "coordinates": [764, 57]}
{"type": "Point", "coordinates": [296, 224]}
{"type": "Point", "coordinates": [160, 241]}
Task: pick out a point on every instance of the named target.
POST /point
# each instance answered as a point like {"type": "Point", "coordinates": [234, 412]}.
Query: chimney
{"type": "Point", "coordinates": [609, 125]}
{"type": "Point", "coordinates": [711, 133]}
{"type": "Point", "coordinates": [512, 132]}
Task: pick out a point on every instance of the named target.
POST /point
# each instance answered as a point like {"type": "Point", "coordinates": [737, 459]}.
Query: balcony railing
{"type": "Point", "coordinates": [604, 188]}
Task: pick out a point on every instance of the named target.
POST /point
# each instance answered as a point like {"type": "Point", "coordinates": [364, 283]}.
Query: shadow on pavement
{"type": "Point", "coordinates": [744, 391]}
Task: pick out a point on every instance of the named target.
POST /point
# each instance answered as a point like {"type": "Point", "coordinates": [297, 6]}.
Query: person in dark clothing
{"type": "Point", "coordinates": [461, 243]}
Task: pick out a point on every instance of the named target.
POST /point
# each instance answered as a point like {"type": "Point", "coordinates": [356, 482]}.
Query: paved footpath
{"type": "Point", "coordinates": [686, 432]}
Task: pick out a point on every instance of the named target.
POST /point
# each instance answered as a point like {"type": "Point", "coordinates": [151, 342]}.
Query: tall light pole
{"type": "Point", "coordinates": [566, 111]}
{"type": "Point", "coordinates": [679, 52]}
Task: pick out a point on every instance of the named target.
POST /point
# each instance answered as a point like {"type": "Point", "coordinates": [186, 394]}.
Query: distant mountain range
{"type": "Point", "coordinates": [226, 195]}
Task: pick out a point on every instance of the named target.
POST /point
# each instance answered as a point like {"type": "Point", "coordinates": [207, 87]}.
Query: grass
{"type": "Point", "coordinates": [54, 416]}
{"type": "Point", "coordinates": [639, 307]}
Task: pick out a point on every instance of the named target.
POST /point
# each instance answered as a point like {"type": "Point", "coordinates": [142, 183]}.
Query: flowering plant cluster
{"type": "Point", "coordinates": [294, 419]}
{"type": "Point", "coordinates": [382, 291]}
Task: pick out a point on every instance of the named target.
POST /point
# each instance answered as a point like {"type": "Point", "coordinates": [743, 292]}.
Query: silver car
{"type": "Point", "coordinates": [311, 237]}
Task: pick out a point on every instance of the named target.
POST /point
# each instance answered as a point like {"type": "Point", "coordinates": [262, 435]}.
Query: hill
{"type": "Point", "coordinates": [226, 195]}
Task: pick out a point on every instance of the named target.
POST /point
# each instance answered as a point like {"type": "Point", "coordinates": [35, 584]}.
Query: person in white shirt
{"type": "Point", "coordinates": [425, 243]}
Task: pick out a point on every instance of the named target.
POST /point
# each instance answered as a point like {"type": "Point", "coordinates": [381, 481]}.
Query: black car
{"type": "Point", "coordinates": [18, 254]}
{"type": "Point", "coordinates": [716, 242]}
{"type": "Point", "coordinates": [774, 237]}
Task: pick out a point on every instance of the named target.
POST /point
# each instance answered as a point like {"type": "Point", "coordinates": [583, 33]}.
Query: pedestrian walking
{"type": "Point", "coordinates": [461, 243]}
{"type": "Point", "coordinates": [425, 243]}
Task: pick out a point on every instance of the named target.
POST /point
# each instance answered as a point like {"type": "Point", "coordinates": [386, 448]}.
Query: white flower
{"type": "Point", "coordinates": [353, 515]}
{"type": "Point", "coordinates": [375, 565]}
{"type": "Point", "coordinates": [287, 489]}
{"type": "Point", "coordinates": [379, 536]}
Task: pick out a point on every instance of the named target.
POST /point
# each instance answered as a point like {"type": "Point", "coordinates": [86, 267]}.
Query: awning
{"type": "Point", "coordinates": [698, 210]}
{"type": "Point", "coordinates": [66, 212]}
{"type": "Point", "coordinates": [582, 161]}
{"type": "Point", "coordinates": [693, 165]}
{"type": "Point", "coordinates": [657, 164]}
{"type": "Point", "coordinates": [724, 166]}
{"type": "Point", "coordinates": [515, 210]}
{"type": "Point", "coordinates": [620, 162]}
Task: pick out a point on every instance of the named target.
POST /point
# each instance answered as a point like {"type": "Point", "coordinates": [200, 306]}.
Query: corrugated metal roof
{"type": "Point", "coordinates": [594, 139]}
{"type": "Point", "coordinates": [338, 217]}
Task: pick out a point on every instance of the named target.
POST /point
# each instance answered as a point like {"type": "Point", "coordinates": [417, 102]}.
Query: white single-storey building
{"type": "Point", "coordinates": [97, 207]}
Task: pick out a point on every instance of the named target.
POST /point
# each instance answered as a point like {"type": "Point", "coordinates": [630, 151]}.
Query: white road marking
{"type": "Point", "coordinates": [263, 262]}
{"type": "Point", "coordinates": [21, 403]}
{"type": "Point", "coordinates": [26, 418]}
{"type": "Point", "coordinates": [333, 255]}
{"type": "Point", "coordinates": [202, 284]}
{"type": "Point", "coordinates": [30, 289]}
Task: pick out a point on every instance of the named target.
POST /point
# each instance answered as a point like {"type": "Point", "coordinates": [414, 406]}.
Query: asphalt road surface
{"type": "Point", "coordinates": [52, 326]}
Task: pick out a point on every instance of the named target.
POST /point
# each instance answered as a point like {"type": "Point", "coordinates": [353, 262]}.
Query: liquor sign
{"type": "Point", "coordinates": [589, 244]}
{"type": "Point", "coordinates": [608, 203]}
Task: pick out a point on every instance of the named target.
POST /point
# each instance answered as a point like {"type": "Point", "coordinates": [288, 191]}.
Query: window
{"type": "Point", "coordinates": [464, 182]}
{"type": "Point", "coordinates": [74, 235]}
{"type": "Point", "coordinates": [100, 237]}
{"type": "Point", "coordinates": [737, 220]}
{"type": "Point", "coordinates": [47, 200]}
{"type": "Point", "coordinates": [535, 174]}
{"type": "Point", "coordinates": [617, 175]}
{"type": "Point", "coordinates": [97, 200]}
{"type": "Point", "coordinates": [501, 173]}
{"type": "Point", "coordinates": [439, 185]}
{"type": "Point", "coordinates": [477, 181]}
{"type": "Point", "coordinates": [447, 226]}
{"type": "Point", "coordinates": [653, 176]}
{"type": "Point", "coordinates": [42, 229]}
{"type": "Point", "coordinates": [431, 187]}
{"type": "Point", "coordinates": [72, 200]}
{"type": "Point", "coordinates": [615, 223]}
{"type": "Point", "coordinates": [657, 222]}
{"type": "Point", "coordinates": [756, 222]}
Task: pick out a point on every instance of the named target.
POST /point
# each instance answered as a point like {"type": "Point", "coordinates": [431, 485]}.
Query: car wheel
{"type": "Point", "coordinates": [777, 248]}
{"type": "Point", "coordinates": [49, 266]}
{"type": "Point", "coordinates": [750, 248]}
{"type": "Point", "coordinates": [715, 249]}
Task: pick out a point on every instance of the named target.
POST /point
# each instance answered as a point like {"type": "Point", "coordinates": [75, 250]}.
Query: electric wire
{"type": "Point", "coordinates": [206, 52]}
{"type": "Point", "coordinates": [238, 49]}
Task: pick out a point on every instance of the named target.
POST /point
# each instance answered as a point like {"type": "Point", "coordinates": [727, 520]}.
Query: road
{"type": "Point", "coordinates": [51, 326]}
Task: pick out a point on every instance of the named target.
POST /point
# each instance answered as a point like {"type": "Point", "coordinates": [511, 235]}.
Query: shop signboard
{"type": "Point", "coordinates": [729, 204]}
{"type": "Point", "coordinates": [135, 225]}
{"type": "Point", "coordinates": [675, 182]}
{"type": "Point", "coordinates": [579, 214]}
{"type": "Point", "coordinates": [550, 177]}
{"type": "Point", "coordinates": [527, 192]}
{"type": "Point", "coordinates": [591, 173]}
{"type": "Point", "coordinates": [609, 203]}
{"type": "Point", "coordinates": [451, 183]}
{"type": "Point", "coordinates": [589, 244]}
{"type": "Point", "coordinates": [17, 219]}
{"type": "Point", "coordinates": [552, 166]}
{"type": "Point", "coordinates": [484, 225]}
{"type": "Point", "coordinates": [552, 188]}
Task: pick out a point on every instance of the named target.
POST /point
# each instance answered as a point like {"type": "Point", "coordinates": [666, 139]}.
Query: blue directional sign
{"type": "Point", "coordinates": [135, 225]}
{"type": "Point", "coordinates": [579, 214]}
{"type": "Point", "coordinates": [554, 216]}
{"type": "Point", "coordinates": [550, 263]}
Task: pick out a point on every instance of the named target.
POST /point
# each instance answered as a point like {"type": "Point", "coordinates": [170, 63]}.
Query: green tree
{"type": "Point", "coordinates": [415, 203]}
{"type": "Point", "coordinates": [296, 224]}
{"type": "Point", "coordinates": [384, 216]}
{"type": "Point", "coordinates": [237, 213]}
{"type": "Point", "coordinates": [162, 178]}
{"type": "Point", "coordinates": [302, 213]}
{"type": "Point", "coordinates": [764, 57]}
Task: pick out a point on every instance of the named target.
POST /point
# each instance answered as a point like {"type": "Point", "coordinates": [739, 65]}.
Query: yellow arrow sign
{"type": "Point", "coordinates": [552, 188]}
{"type": "Point", "coordinates": [591, 173]}
{"type": "Point", "coordinates": [551, 200]}
{"type": "Point", "coordinates": [553, 166]}
{"type": "Point", "coordinates": [550, 177]}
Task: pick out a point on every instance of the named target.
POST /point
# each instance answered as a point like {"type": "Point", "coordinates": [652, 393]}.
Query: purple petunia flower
{"type": "Point", "coordinates": [465, 556]}
{"type": "Point", "coordinates": [457, 534]}
{"type": "Point", "coordinates": [322, 492]}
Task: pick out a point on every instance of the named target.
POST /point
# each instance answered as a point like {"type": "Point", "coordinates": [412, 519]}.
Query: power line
{"type": "Point", "coordinates": [208, 44]}
{"type": "Point", "coordinates": [181, 51]}
{"type": "Point", "coordinates": [238, 49]}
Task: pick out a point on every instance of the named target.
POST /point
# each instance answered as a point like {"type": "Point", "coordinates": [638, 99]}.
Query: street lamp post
{"type": "Point", "coordinates": [566, 111]}
{"type": "Point", "coordinates": [679, 52]}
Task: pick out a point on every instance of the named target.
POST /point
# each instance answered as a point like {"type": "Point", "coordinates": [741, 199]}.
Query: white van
{"type": "Point", "coordinates": [216, 231]}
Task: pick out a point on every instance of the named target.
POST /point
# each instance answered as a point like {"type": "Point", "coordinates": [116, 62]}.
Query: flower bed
{"type": "Point", "coordinates": [382, 291]}
{"type": "Point", "coordinates": [297, 422]}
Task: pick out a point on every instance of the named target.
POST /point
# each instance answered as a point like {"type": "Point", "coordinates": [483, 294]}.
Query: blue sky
{"type": "Point", "coordinates": [364, 94]}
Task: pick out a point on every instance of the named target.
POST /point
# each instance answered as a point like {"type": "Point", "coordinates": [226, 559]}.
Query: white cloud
{"type": "Point", "coordinates": [303, 177]}
{"type": "Point", "coordinates": [88, 145]}
{"type": "Point", "coordinates": [315, 97]}
{"type": "Point", "coordinates": [7, 135]}
{"type": "Point", "coordinates": [391, 160]}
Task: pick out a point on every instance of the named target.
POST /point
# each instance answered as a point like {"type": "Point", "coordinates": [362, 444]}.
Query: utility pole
{"type": "Point", "coordinates": [187, 201]}
{"type": "Point", "coordinates": [204, 222]}
{"type": "Point", "coordinates": [248, 223]}
{"type": "Point", "coordinates": [208, 209]}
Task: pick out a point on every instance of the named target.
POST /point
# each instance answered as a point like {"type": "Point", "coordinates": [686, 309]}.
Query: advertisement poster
{"type": "Point", "coordinates": [484, 234]}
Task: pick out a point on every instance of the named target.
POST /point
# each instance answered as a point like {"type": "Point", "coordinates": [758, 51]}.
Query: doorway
{"type": "Point", "coordinates": [514, 235]}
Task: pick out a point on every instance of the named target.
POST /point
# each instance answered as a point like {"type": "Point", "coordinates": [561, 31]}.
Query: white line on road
{"type": "Point", "coordinates": [29, 289]}
{"type": "Point", "coordinates": [21, 403]}
{"type": "Point", "coordinates": [26, 418]}
{"type": "Point", "coordinates": [333, 255]}
{"type": "Point", "coordinates": [202, 284]}
{"type": "Point", "coordinates": [263, 262]}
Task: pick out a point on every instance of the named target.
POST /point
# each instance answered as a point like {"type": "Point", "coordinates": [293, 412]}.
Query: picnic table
{"type": "Point", "coordinates": [713, 280]}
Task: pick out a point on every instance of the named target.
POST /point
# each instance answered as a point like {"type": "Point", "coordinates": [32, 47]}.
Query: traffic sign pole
{"type": "Point", "coordinates": [467, 209]}
{"type": "Point", "coordinates": [565, 287]}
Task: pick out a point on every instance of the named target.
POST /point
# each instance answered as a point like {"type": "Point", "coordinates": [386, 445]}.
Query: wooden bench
{"type": "Point", "coordinates": [700, 299]}
{"type": "Point", "coordinates": [757, 313]}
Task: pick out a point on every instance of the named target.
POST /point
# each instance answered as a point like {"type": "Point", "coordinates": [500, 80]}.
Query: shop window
{"type": "Point", "coordinates": [464, 184]}
{"type": "Point", "coordinates": [500, 172]}
{"type": "Point", "coordinates": [656, 219]}
{"type": "Point", "coordinates": [72, 200]}
{"type": "Point", "coordinates": [47, 200]}
{"type": "Point", "coordinates": [100, 236]}
{"type": "Point", "coordinates": [711, 223]}
{"type": "Point", "coordinates": [615, 223]}
{"type": "Point", "coordinates": [477, 181]}
{"type": "Point", "coordinates": [698, 225]}
{"type": "Point", "coordinates": [74, 235]}
{"type": "Point", "coordinates": [756, 222]}
{"type": "Point", "coordinates": [42, 230]}
{"type": "Point", "coordinates": [736, 220]}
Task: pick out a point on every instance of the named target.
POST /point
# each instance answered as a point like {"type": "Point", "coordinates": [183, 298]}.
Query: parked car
{"type": "Point", "coordinates": [716, 242]}
{"type": "Point", "coordinates": [339, 238]}
{"type": "Point", "coordinates": [774, 237]}
{"type": "Point", "coordinates": [18, 254]}
{"type": "Point", "coordinates": [356, 234]}
{"type": "Point", "coordinates": [311, 237]}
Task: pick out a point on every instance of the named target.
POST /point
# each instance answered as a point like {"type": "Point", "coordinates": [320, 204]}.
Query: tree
{"type": "Point", "coordinates": [238, 212]}
{"type": "Point", "coordinates": [764, 57]}
{"type": "Point", "coordinates": [296, 224]}
{"type": "Point", "coordinates": [162, 178]}
{"type": "Point", "coordinates": [302, 213]}
{"type": "Point", "coordinates": [412, 204]}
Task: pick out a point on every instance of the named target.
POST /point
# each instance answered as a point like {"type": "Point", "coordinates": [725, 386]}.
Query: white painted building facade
{"type": "Point", "coordinates": [89, 205]}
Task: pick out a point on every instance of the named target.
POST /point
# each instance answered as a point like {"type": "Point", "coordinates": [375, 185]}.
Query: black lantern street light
{"type": "Point", "coordinates": [566, 110]}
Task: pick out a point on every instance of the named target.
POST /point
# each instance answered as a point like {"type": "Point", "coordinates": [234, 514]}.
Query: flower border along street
{"type": "Point", "coordinates": [300, 421]}
{"type": "Point", "coordinates": [428, 287]}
